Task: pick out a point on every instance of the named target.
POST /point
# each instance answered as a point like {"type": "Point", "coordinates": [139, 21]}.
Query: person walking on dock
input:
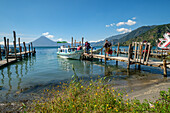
{"type": "Point", "coordinates": [107, 46]}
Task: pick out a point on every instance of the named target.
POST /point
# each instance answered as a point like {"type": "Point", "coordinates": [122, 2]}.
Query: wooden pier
{"type": "Point", "coordinates": [139, 57]}
{"type": "Point", "coordinates": [14, 57]}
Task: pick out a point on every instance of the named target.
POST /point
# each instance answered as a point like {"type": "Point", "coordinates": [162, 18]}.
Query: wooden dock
{"type": "Point", "coordinates": [137, 57]}
{"type": "Point", "coordinates": [14, 57]}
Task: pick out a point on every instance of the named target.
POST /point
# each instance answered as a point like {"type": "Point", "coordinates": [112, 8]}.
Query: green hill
{"type": "Point", "coordinates": [135, 33]}
{"type": "Point", "coordinates": [151, 35]}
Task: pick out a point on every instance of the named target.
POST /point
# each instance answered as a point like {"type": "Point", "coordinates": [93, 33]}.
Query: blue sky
{"type": "Point", "coordinates": [92, 19]}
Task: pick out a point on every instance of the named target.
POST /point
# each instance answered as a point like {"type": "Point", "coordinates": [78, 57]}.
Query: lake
{"type": "Point", "coordinates": [46, 68]}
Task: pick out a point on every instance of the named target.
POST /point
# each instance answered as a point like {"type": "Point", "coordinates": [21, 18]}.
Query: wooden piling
{"type": "Point", "coordinates": [101, 53]}
{"type": "Point", "coordinates": [29, 49]}
{"type": "Point", "coordinates": [79, 43]}
{"type": "Point", "coordinates": [7, 50]}
{"type": "Point", "coordinates": [129, 54]}
{"type": "Point", "coordinates": [117, 53]}
{"type": "Point", "coordinates": [14, 42]}
{"type": "Point", "coordinates": [164, 68]}
{"type": "Point", "coordinates": [92, 51]}
{"type": "Point", "coordinates": [5, 47]}
{"type": "Point", "coordinates": [72, 42]}
{"type": "Point", "coordinates": [105, 56]}
{"type": "Point", "coordinates": [82, 41]}
{"type": "Point", "coordinates": [24, 47]}
{"type": "Point", "coordinates": [15, 50]}
{"type": "Point", "coordinates": [0, 53]}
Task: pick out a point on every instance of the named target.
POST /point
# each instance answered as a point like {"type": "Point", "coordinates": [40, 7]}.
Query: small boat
{"type": "Point", "coordinates": [70, 53]}
{"type": "Point", "coordinates": [164, 42]}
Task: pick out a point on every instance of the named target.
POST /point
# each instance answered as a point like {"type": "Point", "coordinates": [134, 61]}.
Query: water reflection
{"type": "Point", "coordinates": [11, 76]}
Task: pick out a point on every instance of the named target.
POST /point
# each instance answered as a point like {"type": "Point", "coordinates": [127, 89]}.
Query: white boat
{"type": "Point", "coordinates": [164, 42]}
{"type": "Point", "coordinates": [71, 53]}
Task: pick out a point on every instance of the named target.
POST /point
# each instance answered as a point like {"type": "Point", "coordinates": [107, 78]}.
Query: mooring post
{"type": "Point", "coordinates": [117, 53]}
{"type": "Point", "coordinates": [15, 50]}
{"type": "Point", "coordinates": [5, 47]}
{"type": "Point", "coordinates": [82, 41]}
{"type": "Point", "coordinates": [101, 53]}
{"type": "Point", "coordinates": [71, 41]}
{"type": "Point", "coordinates": [25, 49]}
{"type": "Point", "coordinates": [7, 50]}
{"type": "Point", "coordinates": [164, 68]}
{"type": "Point", "coordinates": [129, 54]}
{"type": "Point", "coordinates": [15, 43]}
{"type": "Point", "coordinates": [79, 43]}
{"type": "Point", "coordinates": [91, 50]}
{"type": "Point", "coordinates": [20, 49]}
{"type": "Point", "coordinates": [75, 43]}
{"type": "Point", "coordinates": [105, 56]}
{"type": "Point", "coordinates": [0, 53]}
{"type": "Point", "coordinates": [29, 49]}
{"type": "Point", "coordinates": [19, 46]}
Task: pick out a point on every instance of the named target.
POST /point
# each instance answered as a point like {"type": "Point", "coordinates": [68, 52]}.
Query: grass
{"type": "Point", "coordinates": [94, 96]}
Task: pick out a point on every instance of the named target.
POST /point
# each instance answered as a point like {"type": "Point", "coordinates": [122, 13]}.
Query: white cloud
{"type": "Point", "coordinates": [60, 39]}
{"type": "Point", "coordinates": [107, 25]}
{"type": "Point", "coordinates": [134, 18]}
{"type": "Point", "coordinates": [129, 22]}
{"type": "Point", "coordinates": [110, 25]}
{"type": "Point", "coordinates": [120, 23]}
{"type": "Point", "coordinates": [124, 30]}
{"type": "Point", "coordinates": [48, 35]}
{"type": "Point", "coordinates": [45, 34]}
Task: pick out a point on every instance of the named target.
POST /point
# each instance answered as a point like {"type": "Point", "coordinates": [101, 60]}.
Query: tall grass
{"type": "Point", "coordinates": [95, 96]}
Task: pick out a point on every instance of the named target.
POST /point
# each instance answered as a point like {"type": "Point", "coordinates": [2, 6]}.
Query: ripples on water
{"type": "Point", "coordinates": [47, 68]}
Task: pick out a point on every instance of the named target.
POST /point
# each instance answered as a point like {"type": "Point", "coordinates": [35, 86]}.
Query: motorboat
{"type": "Point", "coordinates": [70, 52]}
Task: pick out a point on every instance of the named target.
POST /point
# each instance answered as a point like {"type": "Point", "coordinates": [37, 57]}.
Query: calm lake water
{"type": "Point", "coordinates": [46, 68]}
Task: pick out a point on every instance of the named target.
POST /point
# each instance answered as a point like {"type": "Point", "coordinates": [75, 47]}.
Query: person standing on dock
{"type": "Point", "coordinates": [107, 46]}
{"type": "Point", "coordinates": [87, 45]}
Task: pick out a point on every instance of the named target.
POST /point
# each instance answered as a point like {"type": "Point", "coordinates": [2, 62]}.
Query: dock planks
{"type": "Point", "coordinates": [139, 57]}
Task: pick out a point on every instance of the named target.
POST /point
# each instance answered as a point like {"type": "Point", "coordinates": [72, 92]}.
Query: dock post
{"type": "Point", "coordinates": [14, 42]}
{"type": "Point", "coordinates": [75, 43]}
{"type": "Point", "coordinates": [0, 53]}
{"type": "Point", "coordinates": [72, 42]}
{"type": "Point", "coordinates": [105, 56]}
{"type": "Point", "coordinates": [164, 68]}
{"type": "Point", "coordinates": [20, 49]}
{"type": "Point", "coordinates": [82, 41]}
{"type": "Point", "coordinates": [25, 49]}
{"type": "Point", "coordinates": [129, 54]}
{"type": "Point", "coordinates": [5, 47]}
{"type": "Point", "coordinates": [15, 50]}
{"type": "Point", "coordinates": [92, 51]}
{"type": "Point", "coordinates": [7, 50]}
{"type": "Point", "coordinates": [29, 49]}
{"type": "Point", "coordinates": [101, 53]}
{"type": "Point", "coordinates": [79, 43]}
{"type": "Point", "coordinates": [117, 53]}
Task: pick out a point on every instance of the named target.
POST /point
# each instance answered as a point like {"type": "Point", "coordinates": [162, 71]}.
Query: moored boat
{"type": "Point", "coordinates": [70, 53]}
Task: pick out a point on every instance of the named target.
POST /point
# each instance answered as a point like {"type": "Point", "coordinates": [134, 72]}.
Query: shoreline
{"type": "Point", "coordinates": [149, 90]}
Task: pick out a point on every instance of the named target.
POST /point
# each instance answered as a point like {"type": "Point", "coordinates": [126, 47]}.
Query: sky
{"type": "Point", "coordinates": [92, 19]}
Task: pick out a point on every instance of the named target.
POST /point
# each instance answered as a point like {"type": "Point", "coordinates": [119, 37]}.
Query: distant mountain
{"type": "Point", "coordinates": [112, 39]}
{"type": "Point", "coordinates": [44, 42]}
{"type": "Point", "coordinates": [151, 35]}
{"type": "Point", "coordinates": [122, 38]}
{"type": "Point", "coordinates": [135, 33]}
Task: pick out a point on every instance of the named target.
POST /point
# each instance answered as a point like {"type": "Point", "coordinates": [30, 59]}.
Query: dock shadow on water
{"type": "Point", "coordinates": [22, 80]}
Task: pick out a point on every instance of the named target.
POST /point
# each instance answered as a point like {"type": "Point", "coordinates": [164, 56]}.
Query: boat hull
{"type": "Point", "coordinates": [72, 55]}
